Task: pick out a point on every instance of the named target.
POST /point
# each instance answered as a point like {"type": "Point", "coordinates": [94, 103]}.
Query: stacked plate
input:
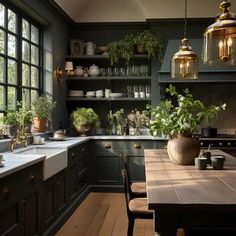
{"type": "Point", "coordinates": [90, 94]}
{"type": "Point", "coordinates": [99, 93]}
{"type": "Point", "coordinates": [116, 95]}
{"type": "Point", "coordinates": [76, 93]}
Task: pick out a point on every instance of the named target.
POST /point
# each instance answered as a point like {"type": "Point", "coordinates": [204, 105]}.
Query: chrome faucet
{"type": "Point", "coordinates": [20, 136]}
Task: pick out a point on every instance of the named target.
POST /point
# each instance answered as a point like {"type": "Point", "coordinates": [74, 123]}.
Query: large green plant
{"type": "Point", "coordinates": [182, 118]}
{"type": "Point", "coordinates": [43, 107]}
{"type": "Point", "coordinates": [84, 116]}
{"type": "Point", "coordinates": [11, 118]}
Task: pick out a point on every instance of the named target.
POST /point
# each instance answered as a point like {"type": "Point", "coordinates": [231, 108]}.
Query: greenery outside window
{"type": "Point", "coordinates": [20, 64]}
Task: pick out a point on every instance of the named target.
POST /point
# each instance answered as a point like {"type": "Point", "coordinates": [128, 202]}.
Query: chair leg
{"type": "Point", "coordinates": [130, 227]}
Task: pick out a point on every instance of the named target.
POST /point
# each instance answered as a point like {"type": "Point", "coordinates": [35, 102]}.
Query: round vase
{"type": "Point", "coordinates": [83, 130]}
{"type": "Point", "coordinates": [182, 150]}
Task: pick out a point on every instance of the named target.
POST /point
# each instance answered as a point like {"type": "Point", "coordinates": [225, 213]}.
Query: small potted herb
{"type": "Point", "coordinates": [42, 109]}
{"type": "Point", "coordinates": [84, 119]}
{"type": "Point", "coordinates": [12, 122]}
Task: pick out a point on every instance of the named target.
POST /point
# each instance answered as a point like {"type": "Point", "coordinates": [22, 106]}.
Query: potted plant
{"type": "Point", "coordinates": [115, 122]}
{"type": "Point", "coordinates": [179, 122]}
{"type": "Point", "coordinates": [150, 43]}
{"type": "Point", "coordinates": [12, 122]}
{"type": "Point", "coordinates": [42, 109]}
{"type": "Point", "coordinates": [26, 117]}
{"type": "Point", "coordinates": [84, 119]}
{"type": "Point", "coordinates": [211, 114]}
{"type": "Point", "coordinates": [137, 120]}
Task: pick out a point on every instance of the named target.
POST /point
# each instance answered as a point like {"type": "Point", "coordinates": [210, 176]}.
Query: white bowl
{"type": "Point", "coordinates": [116, 95]}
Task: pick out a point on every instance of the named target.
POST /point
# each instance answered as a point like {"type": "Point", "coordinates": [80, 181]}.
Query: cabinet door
{"type": "Point", "coordinates": [11, 222]}
{"type": "Point", "coordinates": [54, 198]}
{"type": "Point", "coordinates": [72, 182]}
{"type": "Point", "coordinates": [136, 168]}
{"type": "Point", "coordinates": [32, 213]}
{"type": "Point", "coordinates": [108, 169]}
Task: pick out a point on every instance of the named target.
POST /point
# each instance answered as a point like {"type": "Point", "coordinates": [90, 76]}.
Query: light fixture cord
{"type": "Point", "coordinates": [185, 19]}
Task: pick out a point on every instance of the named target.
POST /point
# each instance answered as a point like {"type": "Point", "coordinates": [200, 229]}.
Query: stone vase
{"type": "Point", "coordinates": [83, 130]}
{"type": "Point", "coordinates": [183, 149]}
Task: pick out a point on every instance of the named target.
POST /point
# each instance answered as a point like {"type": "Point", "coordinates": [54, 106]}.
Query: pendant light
{"type": "Point", "coordinates": [219, 46]}
{"type": "Point", "coordinates": [184, 63]}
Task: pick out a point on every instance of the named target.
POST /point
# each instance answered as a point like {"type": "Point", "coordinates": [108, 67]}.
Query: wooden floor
{"type": "Point", "coordinates": [104, 214]}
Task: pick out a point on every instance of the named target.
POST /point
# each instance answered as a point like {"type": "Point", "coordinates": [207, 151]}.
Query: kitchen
{"type": "Point", "coordinates": [99, 166]}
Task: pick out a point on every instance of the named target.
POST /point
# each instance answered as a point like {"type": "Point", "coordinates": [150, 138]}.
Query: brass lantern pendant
{"type": "Point", "coordinates": [219, 46]}
{"type": "Point", "coordinates": [184, 63]}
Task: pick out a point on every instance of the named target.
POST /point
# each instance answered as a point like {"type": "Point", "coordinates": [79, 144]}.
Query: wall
{"type": "Point", "coordinates": [55, 38]}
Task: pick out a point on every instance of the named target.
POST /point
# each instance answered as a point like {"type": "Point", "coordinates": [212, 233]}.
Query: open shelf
{"type": "Point", "coordinates": [102, 57]}
{"type": "Point", "coordinates": [107, 99]}
{"type": "Point", "coordinates": [109, 78]}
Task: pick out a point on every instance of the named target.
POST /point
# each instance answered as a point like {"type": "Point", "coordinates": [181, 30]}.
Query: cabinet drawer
{"type": "Point", "coordinates": [18, 184]}
{"type": "Point", "coordinates": [136, 148]}
{"type": "Point", "coordinates": [109, 148]}
{"type": "Point", "coordinates": [77, 153]}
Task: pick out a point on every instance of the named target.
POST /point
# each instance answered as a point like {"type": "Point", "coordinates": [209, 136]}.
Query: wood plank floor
{"type": "Point", "coordinates": [104, 214]}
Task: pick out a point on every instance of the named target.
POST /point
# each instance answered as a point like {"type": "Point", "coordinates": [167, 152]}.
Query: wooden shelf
{"type": "Point", "coordinates": [107, 99]}
{"type": "Point", "coordinates": [102, 57]}
{"type": "Point", "coordinates": [74, 78]}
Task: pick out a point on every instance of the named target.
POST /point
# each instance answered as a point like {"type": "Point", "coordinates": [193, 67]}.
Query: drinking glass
{"type": "Point", "coordinates": [130, 91]}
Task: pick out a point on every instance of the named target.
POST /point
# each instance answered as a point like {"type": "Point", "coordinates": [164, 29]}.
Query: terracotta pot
{"type": "Point", "coordinates": [182, 149]}
{"type": "Point", "coordinates": [40, 125]}
{"type": "Point", "coordinates": [83, 130]}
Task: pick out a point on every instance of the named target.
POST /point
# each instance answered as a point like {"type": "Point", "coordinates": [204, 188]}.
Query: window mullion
{"type": "Point", "coordinates": [19, 56]}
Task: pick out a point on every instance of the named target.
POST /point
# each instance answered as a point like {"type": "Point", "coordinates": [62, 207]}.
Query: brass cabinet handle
{"type": "Point", "coordinates": [31, 178]}
{"type": "Point", "coordinates": [107, 145]}
{"type": "Point", "coordinates": [5, 193]}
{"type": "Point", "coordinates": [137, 145]}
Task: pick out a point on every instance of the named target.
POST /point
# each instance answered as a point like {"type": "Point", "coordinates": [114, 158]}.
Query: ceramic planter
{"type": "Point", "coordinates": [182, 150]}
{"type": "Point", "coordinates": [83, 130]}
{"type": "Point", "coordinates": [40, 125]}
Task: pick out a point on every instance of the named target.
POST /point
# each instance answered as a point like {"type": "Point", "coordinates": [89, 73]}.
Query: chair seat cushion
{"type": "Point", "coordinates": [139, 187]}
{"type": "Point", "coordinates": [139, 205]}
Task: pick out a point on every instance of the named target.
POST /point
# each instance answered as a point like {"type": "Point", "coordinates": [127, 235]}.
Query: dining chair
{"type": "Point", "coordinates": [137, 189]}
{"type": "Point", "coordinates": [137, 208]}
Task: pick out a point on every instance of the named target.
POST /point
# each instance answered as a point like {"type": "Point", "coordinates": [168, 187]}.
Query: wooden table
{"type": "Point", "coordinates": [184, 197]}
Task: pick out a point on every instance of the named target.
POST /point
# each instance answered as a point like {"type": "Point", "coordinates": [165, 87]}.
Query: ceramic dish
{"type": "Point", "coordinates": [116, 95]}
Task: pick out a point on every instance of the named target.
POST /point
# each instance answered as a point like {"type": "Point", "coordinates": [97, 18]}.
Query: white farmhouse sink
{"type": "Point", "coordinates": [55, 161]}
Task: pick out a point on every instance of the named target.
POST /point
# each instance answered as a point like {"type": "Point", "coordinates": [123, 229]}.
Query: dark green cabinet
{"type": "Point", "coordinates": [20, 202]}
{"type": "Point", "coordinates": [54, 198]}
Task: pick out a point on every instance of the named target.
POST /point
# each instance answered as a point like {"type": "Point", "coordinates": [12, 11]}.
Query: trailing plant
{"type": "Point", "coordinates": [182, 118]}
{"type": "Point", "coordinates": [84, 116]}
{"type": "Point", "coordinates": [151, 41]}
{"type": "Point", "coordinates": [43, 107]}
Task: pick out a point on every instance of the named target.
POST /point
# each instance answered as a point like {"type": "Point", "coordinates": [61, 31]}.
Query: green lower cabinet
{"type": "Point", "coordinates": [108, 169]}
{"type": "Point", "coordinates": [136, 168]}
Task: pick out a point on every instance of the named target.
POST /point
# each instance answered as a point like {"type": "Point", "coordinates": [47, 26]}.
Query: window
{"type": "Point", "coordinates": [20, 64]}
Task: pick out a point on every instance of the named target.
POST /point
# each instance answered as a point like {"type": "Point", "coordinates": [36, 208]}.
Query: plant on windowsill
{"type": "Point", "coordinates": [26, 117]}
{"type": "Point", "coordinates": [84, 119]}
{"type": "Point", "coordinates": [11, 121]}
{"type": "Point", "coordinates": [179, 122]}
{"type": "Point", "coordinates": [42, 108]}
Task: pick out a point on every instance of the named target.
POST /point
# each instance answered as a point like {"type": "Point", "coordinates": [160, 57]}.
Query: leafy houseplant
{"type": "Point", "coordinates": [115, 122]}
{"type": "Point", "coordinates": [12, 122]}
{"type": "Point", "coordinates": [137, 120]}
{"type": "Point", "coordinates": [26, 117]}
{"type": "Point", "coordinates": [179, 121]}
{"type": "Point", "coordinates": [42, 108]}
{"type": "Point", "coordinates": [83, 119]}
{"type": "Point", "coordinates": [149, 42]}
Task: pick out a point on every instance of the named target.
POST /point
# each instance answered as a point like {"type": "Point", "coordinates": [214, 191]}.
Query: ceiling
{"type": "Point", "coordinates": [138, 10]}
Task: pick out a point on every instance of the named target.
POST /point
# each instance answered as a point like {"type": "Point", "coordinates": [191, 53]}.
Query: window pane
{"type": "Point", "coordinates": [11, 98]}
{"type": "Point", "coordinates": [11, 21]}
{"type": "Point", "coordinates": [34, 77]}
{"type": "Point", "coordinates": [34, 95]}
{"type": "Point", "coordinates": [2, 15]}
{"type": "Point", "coordinates": [2, 69]}
{"type": "Point", "coordinates": [34, 34]}
{"type": "Point", "coordinates": [11, 45]}
{"type": "Point", "coordinates": [25, 29]}
{"type": "Point", "coordinates": [34, 55]}
{"type": "Point", "coordinates": [25, 75]}
{"type": "Point", "coordinates": [25, 95]}
{"type": "Point", "coordinates": [2, 98]}
{"type": "Point", "coordinates": [12, 73]}
{"type": "Point", "coordinates": [25, 51]}
{"type": "Point", "coordinates": [2, 41]}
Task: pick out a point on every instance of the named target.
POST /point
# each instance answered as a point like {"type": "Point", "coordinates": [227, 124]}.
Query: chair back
{"type": "Point", "coordinates": [127, 189]}
{"type": "Point", "coordinates": [125, 159]}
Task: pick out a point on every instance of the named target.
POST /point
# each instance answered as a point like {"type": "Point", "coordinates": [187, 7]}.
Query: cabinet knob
{"type": "Point", "coordinates": [83, 150]}
{"type": "Point", "coordinates": [201, 143]}
{"type": "Point", "coordinates": [5, 193]}
{"type": "Point", "coordinates": [229, 144]}
{"type": "Point", "coordinates": [72, 154]}
{"type": "Point", "coordinates": [137, 145]}
{"type": "Point", "coordinates": [220, 144]}
{"type": "Point", "coordinates": [31, 179]}
{"type": "Point", "coordinates": [107, 145]}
